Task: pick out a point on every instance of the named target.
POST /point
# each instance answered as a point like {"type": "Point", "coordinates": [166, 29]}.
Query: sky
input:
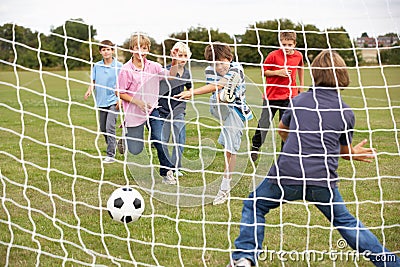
{"type": "Point", "coordinates": [159, 18]}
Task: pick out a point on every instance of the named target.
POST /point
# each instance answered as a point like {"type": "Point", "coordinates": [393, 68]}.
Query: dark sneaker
{"type": "Point", "coordinates": [254, 154]}
{"type": "Point", "coordinates": [121, 146]}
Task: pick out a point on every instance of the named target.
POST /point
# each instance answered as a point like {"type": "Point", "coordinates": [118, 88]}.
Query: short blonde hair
{"type": "Point", "coordinates": [182, 48]}
{"type": "Point", "coordinates": [139, 39]}
{"type": "Point", "coordinates": [322, 70]}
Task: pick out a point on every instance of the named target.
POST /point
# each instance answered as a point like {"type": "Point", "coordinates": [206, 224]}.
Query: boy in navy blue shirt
{"type": "Point", "coordinates": [317, 128]}
{"type": "Point", "coordinates": [173, 110]}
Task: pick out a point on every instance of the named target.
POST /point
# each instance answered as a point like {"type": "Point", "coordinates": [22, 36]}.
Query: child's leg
{"type": "Point", "coordinates": [230, 162]}
{"type": "Point", "coordinates": [262, 126]}
{"type": "Point", "coordinates": [110, 130]}
{"type": "Point", "coordinates": [155, 132]}
{"type": "Point", "coordinates": [165, 134]}
{"type": "Point", "coordinates": [357, 236]}
{"type": "Point", "coordinates": [267, 196]}
{"type": "Point", "coordinates": [230, 137]}
{"type": "Point", "coordinates": [179, 140]}
{"type": "Point", "coordinates": [284, 104]}
{"type": "Point", "coordinates": [102, 122]}
{"type": "Point", "coordinates": [134, 139]}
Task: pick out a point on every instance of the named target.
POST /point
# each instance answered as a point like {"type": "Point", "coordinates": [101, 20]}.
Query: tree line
{"type": "Point", "coordinates": [74, 44]}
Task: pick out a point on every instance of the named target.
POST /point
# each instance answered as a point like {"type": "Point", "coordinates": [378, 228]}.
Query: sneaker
{"type": "Point", "coordinates": [254, 154]}
{"type": "Point", "coordinates": [228, 94]}
{"type": "Point", "coordinates": [169, 178]}
{"type": "Point", "coordinates": [121, 146]}
{"type": "Point", "coordinates": [108, 160]}
{"type": "Point", "coordinates": [221, 197]}
{"type": "Point", "coordinates": [179, 173]}
{"type": "Point", "coordinates": [242, 262]}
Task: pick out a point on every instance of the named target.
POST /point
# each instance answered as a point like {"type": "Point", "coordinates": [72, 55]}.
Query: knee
{"type": "Point", "coordinates": [135, 148]}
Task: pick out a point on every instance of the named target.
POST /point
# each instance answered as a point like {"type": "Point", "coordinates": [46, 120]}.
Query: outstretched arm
{"type": "Point", "coordinates": [200, 91]}
{"type": "Point", "coordinates": [358, 152]}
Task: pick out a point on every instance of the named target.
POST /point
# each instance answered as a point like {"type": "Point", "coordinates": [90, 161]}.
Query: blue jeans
{"type": "Point", "coordinates": [135, 142]}
{"type": "Point", "coordinates": [177, 124]}
{"type": "Point", "coordinates": [267, 196]}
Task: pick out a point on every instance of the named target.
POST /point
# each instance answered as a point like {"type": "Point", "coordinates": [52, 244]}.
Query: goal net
{"type": "Point", "coordinates": [54, 185]}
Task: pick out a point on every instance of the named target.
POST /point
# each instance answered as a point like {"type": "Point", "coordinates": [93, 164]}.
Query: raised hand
{"type": "Point", "coordinates": [361, 153]}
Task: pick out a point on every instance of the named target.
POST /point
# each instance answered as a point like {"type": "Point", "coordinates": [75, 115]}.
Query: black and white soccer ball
{"type": "Point", "coordinates": [125, 205]}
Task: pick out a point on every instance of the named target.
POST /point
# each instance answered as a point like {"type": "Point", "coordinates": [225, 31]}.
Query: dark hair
{"type": "Point", "coordinates": [106, 44]}
{"type": "Point", "coordinates": [329, 70]}
{"type": "Point", "coordinates": [217, 51]}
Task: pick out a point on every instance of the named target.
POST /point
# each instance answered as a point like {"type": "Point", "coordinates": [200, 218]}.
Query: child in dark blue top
{"type": "Point", "coordinates": [173, 110]}
{"type": "Point", "coordinates": [317, 130]}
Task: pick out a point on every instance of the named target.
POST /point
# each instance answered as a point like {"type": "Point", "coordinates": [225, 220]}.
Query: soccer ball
{"type": "Point", "coordinates": [125, 205]}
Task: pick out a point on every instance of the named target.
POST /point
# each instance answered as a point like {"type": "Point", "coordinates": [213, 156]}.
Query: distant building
{"type": "Point", "coordinates": [383, 41]}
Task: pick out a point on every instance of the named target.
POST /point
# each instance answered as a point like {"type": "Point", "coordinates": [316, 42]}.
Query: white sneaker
{"type": "Point", "coordinates": [242, 262]}
{"type": "Point", "coordinates": [169, 178]}
{"type": "Point", "coordinates": [228, 93]}
{"type": "Point", "coordinates": [221, 197]}
{"type": "Point", "coordinates": [108, 160]}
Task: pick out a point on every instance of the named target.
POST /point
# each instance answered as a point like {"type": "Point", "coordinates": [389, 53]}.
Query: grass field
{"type": "Point", "coordinates": [54, 187]}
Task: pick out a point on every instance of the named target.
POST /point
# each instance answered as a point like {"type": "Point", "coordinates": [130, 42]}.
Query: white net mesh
{"type": "Point", "coordinates": [54, 186]}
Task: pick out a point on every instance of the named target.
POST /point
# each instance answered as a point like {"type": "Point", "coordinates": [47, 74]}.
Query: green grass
{"type": "Point", "coordinates": [54, 188]}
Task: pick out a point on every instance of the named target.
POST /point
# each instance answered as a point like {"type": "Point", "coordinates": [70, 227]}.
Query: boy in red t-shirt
{"type": "Point", "coordinates": [280, 69]}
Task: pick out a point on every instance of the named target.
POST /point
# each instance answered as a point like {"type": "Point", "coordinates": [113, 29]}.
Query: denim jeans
{"type": "Point", "coordinates": [178, 125]}
{"type": "Point", "coordinates": [107, 120]}
{"type": "Point", "coordinates": [268, 196]}
{"type": "Point", "coordinates": [135, 142]}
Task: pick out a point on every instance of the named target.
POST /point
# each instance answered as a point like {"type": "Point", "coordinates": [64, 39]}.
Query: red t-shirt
{"type": "Point", "coordinates": [282, 88]}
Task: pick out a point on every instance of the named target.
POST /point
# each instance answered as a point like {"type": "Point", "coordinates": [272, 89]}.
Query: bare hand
{"type": "Point", "coordinates": [87, 94]}
{"type": "Point", "coordinates": [284, 72]}
{"type": "Point", "coordinates": [144, 106]}
{"type": "Point", "coordinates": [362, 153]}
{"type": "Point", "coordinates": [118, 105]}
{"type": "Point", "coordinates": [184, 95]}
